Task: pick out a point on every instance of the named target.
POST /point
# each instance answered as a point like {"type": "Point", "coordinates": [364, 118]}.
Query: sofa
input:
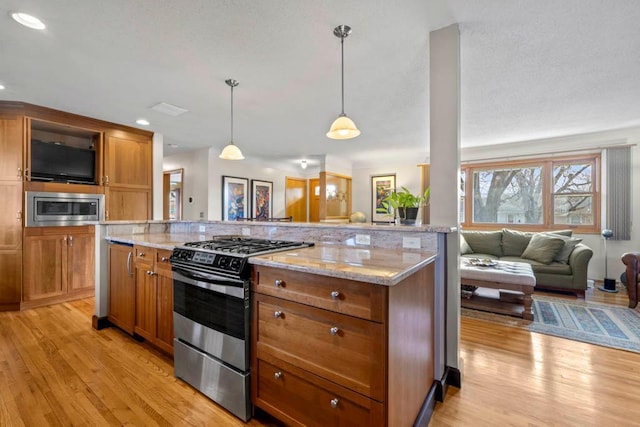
{"type": "Point", "coordinates": [558, 260]}
{"type": "Point", "coordinates": [631, 261]}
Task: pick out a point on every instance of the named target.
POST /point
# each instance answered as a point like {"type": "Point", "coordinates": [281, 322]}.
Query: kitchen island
{"type": "Point", "coordinates": [381, 299]}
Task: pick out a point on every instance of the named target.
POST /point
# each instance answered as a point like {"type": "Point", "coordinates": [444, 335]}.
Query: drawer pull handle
{"type": "Point", "coordinates": [334, 402]}
{"type": "Point", "coordinates": [279, 283]}
{"type": "Point", "coordinates": [335, 294]}
{"type": "Point", "coordinates": [277, 375]}
{"type": "Point", "coordinates": [164, 259]}
{"type": "Point", "coordinates": [141, 254]}
{"type": "Point", "coordinates": [277, 314]}
{"type": "Point", "coordinates": [334, 330]}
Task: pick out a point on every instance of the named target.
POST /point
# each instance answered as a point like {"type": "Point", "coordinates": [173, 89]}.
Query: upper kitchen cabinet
{"type": "Point", "coordinates": [11, 133]}
{"type": "Point", "coordinates": [128, 175]}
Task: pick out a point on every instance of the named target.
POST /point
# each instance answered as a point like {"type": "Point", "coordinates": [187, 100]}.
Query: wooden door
{"type": "Point", "coordinates": [166, 189]}
{"type": "Point", "coordinates": [11, 147]}
{"type": "Point", "coordinates": [81, 262]}
{"type": "Point", "coordinates": [295, 199]}
{"type": "Point", "coordinates": [164, 307]}
{"type": "Point", "coordinates": [45, 266]}
{"type": "Point", "coordinates": [122, 287]}
{"type": "Point", "coordinates": [314, 200]}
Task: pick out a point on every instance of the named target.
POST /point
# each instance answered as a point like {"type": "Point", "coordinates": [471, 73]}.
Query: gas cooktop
{"type": "Point", "coordinates": [227, 254]}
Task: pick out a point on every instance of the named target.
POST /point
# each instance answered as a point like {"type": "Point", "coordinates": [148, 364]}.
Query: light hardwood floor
{"type": "Point", "coordinates": [56, 370]}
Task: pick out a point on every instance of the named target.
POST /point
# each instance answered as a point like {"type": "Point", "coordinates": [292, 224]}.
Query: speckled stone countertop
{"type": "Point", "coordinates": [373, 265]}
{"type": "Point", "coordinates": [381, 266]}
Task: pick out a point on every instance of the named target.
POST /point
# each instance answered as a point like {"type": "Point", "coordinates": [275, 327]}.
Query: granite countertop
{"type": "Point", "coordinates": [366, 264]}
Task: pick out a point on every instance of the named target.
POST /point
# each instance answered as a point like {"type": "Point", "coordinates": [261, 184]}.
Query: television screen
{"type": "Point", "coordinates": [57, 162]}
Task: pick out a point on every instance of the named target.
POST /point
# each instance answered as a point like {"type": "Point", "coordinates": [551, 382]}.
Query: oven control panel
{"type": "Point", "coordinates": [209, 260]}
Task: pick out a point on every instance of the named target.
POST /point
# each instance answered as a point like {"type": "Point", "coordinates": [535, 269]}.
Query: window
{"type": "Point", "coordinates": [532, 195]}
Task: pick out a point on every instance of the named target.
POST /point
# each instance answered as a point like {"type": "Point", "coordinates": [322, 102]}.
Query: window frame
{"type": "Point", "coordinates": [547, 164]}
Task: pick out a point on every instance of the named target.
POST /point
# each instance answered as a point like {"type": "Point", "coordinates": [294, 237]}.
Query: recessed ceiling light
{"type": "Point", "coordinates": [28, 20]}
{"type": "Point", "coordinates": [1, 87]}
{"type": "Point", "coordinates": [143, 122]}
{"type": "Point", "coordinates": [173, 145]}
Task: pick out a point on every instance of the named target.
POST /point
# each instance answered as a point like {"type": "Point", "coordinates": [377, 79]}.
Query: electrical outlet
{"type": "Point", "coordinates": [411, 242]}
{"type": "Point", "coordinates": [363, 239]}
{"type": "Point", "coordinates": [201, 228]}
{"type": "Point", "coordinates": [138, 229]}
{"type": "Point", "coordinates": [246, 231]}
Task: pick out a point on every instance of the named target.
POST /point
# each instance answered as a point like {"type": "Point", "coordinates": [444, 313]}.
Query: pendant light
{"type": "Point", "coordinates": [342, 127]}
{"type": "Point", "coordinates": [231, 151]}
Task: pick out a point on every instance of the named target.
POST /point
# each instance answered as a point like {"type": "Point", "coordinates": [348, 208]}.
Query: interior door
{"type": "Point", "coordinates": [295, 199]}
{"type": "Point", "coordinates": [314, 200]}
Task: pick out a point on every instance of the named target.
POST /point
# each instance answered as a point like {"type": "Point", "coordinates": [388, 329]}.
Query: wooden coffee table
{"type": "Point", "coordinates": [504, 288]}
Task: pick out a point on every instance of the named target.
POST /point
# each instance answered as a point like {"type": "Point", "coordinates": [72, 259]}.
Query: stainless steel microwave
{"type": "Point", "coordinates": [54, 209]}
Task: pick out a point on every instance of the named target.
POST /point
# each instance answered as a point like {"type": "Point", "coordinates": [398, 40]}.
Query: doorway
{"type": "Point", "coordinates": [314, 200]}
{"type": "Point", "coordinates": [295, 199]}
{"type": "Point", "coordinates": [172, 194]}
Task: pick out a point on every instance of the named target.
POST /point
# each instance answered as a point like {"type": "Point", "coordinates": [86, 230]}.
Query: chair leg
{"type": "Point", "coordinates": [632, 288]}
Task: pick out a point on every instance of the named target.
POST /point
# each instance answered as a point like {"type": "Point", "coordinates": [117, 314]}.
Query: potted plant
{"type": "Point", "coordinates": [405, 204]}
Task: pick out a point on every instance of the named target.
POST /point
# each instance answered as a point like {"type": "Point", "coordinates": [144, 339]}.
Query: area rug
{"type": "Point", "coordinates": [600, 324]}
{"type": "Point", "coordinates": [607, 325]}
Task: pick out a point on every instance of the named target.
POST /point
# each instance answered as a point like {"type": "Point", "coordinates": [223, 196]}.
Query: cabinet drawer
{"type": "Point", "coordinates": [344, 349]}
{"type": "Point", "coordinates": [350, 297]}
{"type": "Point", "coordinates": [311, 401]}
{"type": "Point", "coordinates": [143, 254]}
{"type": "Point", "coordinates": [162, 259]}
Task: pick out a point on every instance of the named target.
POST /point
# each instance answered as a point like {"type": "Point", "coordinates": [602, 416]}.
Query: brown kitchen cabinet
{"type": "Point", "coordinates": [59, 264]}
{"type": "Point", "coordinates": [331, 351]}
{"type": "Point", "coordinates": [128, 175]}
{"type": "Point", "coordinates": [154, 296]}
{"type": "Point", "coordinates": [11, 128]}
{"type": "Point", "coordinates": [121, 310]}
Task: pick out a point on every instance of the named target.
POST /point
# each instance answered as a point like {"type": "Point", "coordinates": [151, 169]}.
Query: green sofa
{"type": "Point", "coordinates": [559, 261]}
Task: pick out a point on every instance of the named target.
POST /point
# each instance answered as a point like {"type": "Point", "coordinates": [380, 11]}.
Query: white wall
{"type": "Point", "coordinates": [156, 190]}
{"type": "Point", "coordinates": [593, 141]}
{"type": "Point", "coordinates": [194, 182]}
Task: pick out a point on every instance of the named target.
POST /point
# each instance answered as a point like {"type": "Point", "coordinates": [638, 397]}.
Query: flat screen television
{"type": "Point", "coordinates": [62, 163]}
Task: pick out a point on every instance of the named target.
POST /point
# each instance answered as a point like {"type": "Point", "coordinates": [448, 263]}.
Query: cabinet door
{"type": "Point", "coordinates": [122, 287]}
{"type": "Point", "coordinates": [10, 243]}
{"type": "Point", "coordinates": [128, 160]}
{"type": "Point", "coordinates": [145, 325]}
{"type": "Point", "coordinates": [81, 262]}
{"type": "Point", "coordinates": [127, 204]}
{"type": "Point", "coordinates": [11, 148]}
{"type": "Point", "coordinates": [45, 266]}
{"type": "Point", "coordinates": [164, 307]}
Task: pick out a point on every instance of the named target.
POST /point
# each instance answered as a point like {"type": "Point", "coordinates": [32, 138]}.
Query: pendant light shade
{"type": "Point", "coordinates": [231, 151]}
{"type": "Point", "coordinates": [342, 127]}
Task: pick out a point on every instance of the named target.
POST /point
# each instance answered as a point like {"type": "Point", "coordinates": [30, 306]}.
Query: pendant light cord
{"type": "Point", "coordinates": [232, 114]}
{"type": "Point", "coordinates": [342, 50]}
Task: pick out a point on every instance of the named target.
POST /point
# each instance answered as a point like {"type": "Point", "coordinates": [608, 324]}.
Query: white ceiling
{"type": "Point", "coordinates": [530, 69]}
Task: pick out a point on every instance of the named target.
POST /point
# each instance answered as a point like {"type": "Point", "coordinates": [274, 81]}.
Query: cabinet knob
{"type": "Point", "coordinates": [278, 314]}
{"type": "Point", "coordinates": [277, 375]}
{"type": "Point", "coordinates": [141, 255]}
{"type": "Point", "coordinates": [19, 172]}
{"type": "Point", "coordinates": [151, 273]}
{"type": "Point", "coordinates": [279, 283]}
{"type": "Point", "coordinates": [334, 330]}
{"type": "Point", "coordinates": [70, 240]}
{"type": "Point", "coordinates": [335, 294]}
{"type": "Point", "coordinates": [19, 215]}
{"type": "Point", "coordinates": [334, 402]}
{"type": "Point", "coordinates": [164, 259]}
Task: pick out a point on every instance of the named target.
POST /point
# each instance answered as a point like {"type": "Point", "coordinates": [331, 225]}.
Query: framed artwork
{"type": "Point", "coordinates": [381, 186]}
{"type": "Point", "coordinates": [234, 197]}
{"type": "Point", "coordinates": [262, 199]}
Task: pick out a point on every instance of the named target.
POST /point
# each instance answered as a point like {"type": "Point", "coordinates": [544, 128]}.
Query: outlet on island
{"type": "Point", "coordinates": [363, 239]}
{"type": "Point", "coordinates": [411, 242]}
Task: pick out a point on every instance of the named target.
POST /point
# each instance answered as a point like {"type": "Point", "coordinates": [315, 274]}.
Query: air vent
{"type": "Point", "coordinates": [169, 109]}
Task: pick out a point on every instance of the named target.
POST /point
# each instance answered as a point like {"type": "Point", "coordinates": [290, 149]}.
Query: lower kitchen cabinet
{"type": "Point", "coordinates": [122, 287]}
{"type": "Point", "coordinates": [330, 351]}
{"type": "Point", "coordinates": [154, 296]}
{"type": "Point", "coordinates": [59, 264]}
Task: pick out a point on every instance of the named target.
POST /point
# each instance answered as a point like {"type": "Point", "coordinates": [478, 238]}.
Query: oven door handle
{"type": "Point", "coordinates": [213, 283]}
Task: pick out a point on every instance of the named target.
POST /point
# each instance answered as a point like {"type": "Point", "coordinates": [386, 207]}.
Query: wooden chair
{"type": "Point", "coordinates": [632, 261]}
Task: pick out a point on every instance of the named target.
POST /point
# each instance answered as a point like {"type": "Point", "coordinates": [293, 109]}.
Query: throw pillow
{"type": "Point", "coordinates": [543, 248]}
{"type": "Point", "coordinates": [464, 246]}
{"type": "Point", "coordinates": [569, 245]}
{"type": "Point", "coordinates": [514, 242]}
{"type": "Point", "coordinates": [484, 242]}
{"type": "Point", "coordinates": [567, 233]}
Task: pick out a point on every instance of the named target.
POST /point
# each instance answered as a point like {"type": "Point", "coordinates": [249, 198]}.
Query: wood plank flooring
{"type": "Point", "coordinates": [56, 370]}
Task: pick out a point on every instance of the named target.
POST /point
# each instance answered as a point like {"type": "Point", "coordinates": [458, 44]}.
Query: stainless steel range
{"type": "Point", "coordinates": [211, 316]}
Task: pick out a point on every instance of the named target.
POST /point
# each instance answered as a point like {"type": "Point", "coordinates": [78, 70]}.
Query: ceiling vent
{"type": "Point", "coordinates": [169, 109]}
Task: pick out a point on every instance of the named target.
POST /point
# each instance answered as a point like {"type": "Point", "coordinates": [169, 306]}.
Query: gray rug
{"type": "Point", "coordinates": [600, 324]}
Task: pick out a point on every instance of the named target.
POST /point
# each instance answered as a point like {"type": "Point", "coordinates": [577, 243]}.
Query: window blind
{"type": "Point", "coordinates": [619, 192]}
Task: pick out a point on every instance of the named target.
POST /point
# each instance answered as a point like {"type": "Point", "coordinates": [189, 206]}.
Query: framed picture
{"type": "Point", "coordinates": [381, 186]}
{"type": "Point", "coordinates": [234, 198]}
{"type": "Point", "coordinates": [262, 199]}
